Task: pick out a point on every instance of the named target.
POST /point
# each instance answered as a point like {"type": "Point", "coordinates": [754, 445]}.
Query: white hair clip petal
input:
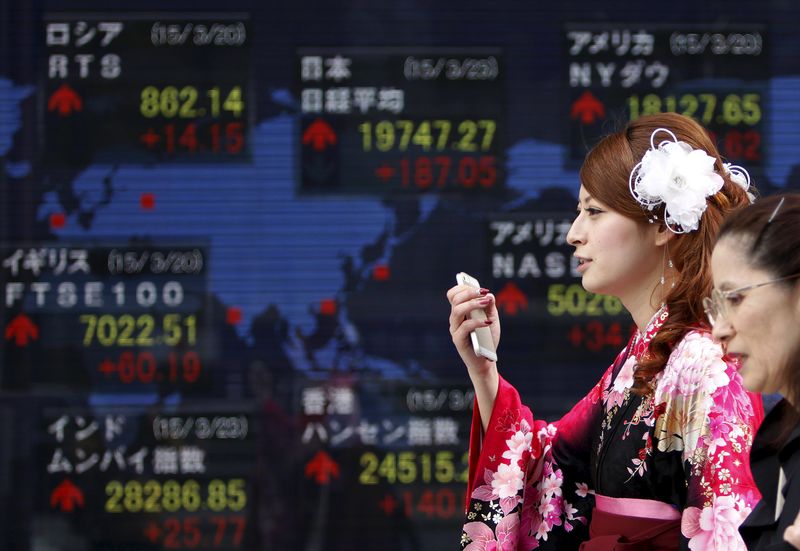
{"type": "Point", "coordinates": [740, 177]}
{"type": "Point", "coordinates": [677, 176]}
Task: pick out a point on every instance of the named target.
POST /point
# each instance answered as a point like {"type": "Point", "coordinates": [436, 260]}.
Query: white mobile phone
{"type": "Point", "coordinates": [482, 342]}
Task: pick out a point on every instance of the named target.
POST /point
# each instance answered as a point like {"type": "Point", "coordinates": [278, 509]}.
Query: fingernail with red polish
{"type": "Point", "coordinates": [483, 291]}
{"type": "Point", "coordinates": [488, 321]}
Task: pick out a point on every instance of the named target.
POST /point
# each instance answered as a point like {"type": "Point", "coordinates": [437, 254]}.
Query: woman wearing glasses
{"type": "Point", "coordinates": [655, 456]}
{"type": "Point", "coordinates": [755, 312]}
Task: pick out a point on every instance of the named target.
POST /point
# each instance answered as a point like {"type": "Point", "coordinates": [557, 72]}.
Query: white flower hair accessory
{"type": "Point", "coordinates": [740, 177]}
{"type": "Point", "coordinates": [677, 176]}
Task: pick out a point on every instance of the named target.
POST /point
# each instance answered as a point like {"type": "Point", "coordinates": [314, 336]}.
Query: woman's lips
{"type": "Point", "coordinates": [583, 264]}
{"type": "Point", "coordinates": [738, 356]}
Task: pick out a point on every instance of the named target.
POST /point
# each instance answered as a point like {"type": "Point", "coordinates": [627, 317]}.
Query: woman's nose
{"type": "Point", "coordinates": [575, 234]}
{"type": "Point", "coordinates": [722, 330]}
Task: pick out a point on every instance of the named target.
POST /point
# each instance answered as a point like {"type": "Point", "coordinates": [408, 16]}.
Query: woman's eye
{"type": "Point", "coordinates": [593, 211]}
{"type": "Point", "coordinates": [734, 299]}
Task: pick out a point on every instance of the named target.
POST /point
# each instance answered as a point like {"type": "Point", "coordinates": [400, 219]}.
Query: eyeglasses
{"type": "Point", "coordinates": [718, 305]}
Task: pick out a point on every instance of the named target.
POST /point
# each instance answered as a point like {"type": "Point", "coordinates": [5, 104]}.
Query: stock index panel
{"type": "Point", "coordinates": [695, 69]}
{"type": "Point", "coordinates": [398, 120]}
{"type": "Point", "coordinates": [227, 233]}
{"type": "Point", "coordinates": [145, 88]}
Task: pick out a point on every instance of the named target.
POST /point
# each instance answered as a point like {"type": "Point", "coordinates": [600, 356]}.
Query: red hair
{"type": "Point", "coordinates": [605, 174]}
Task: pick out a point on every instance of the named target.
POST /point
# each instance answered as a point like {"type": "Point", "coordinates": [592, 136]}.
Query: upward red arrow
{"type": "Point", "coordinates": [66, 496]}
{"type": "Point", "coordinates": [65, 100]}
{"type": "Point", "coordinates": [319, 134]}
{"type": "Point", "coordinates": [22, 329]}
{"type": "Point", "coordinates": [588, 108]}
{"type": "Point", "coordinates": [511, 299]}
{"type": "Point", "coordinates": [322, 467]}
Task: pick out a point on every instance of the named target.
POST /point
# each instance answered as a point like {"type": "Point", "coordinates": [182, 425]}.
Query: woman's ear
{"type": "Point", "coordinates": [662, 235]}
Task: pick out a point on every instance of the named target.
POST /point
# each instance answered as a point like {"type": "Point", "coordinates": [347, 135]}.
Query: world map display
{"type": "Point", "coordinates": [318, 317]}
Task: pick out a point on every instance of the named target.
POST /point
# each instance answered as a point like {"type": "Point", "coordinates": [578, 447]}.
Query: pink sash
{"type": "Point", "coordinates": [639, 508]}
{"type": "Point", "coordinates": [626, 524]}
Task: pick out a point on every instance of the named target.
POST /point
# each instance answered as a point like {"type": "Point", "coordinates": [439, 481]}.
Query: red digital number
{"type": "Point", "coordinates": [595, 336]}
{"type": "Point", "coordinates": [740, 145]}
{"type": "Point", "coordinates": [221, 528]}
{"type": "Point", "coordinates": [426, 172]}
{"type": "Point", "coordinates": [432, 504]}
{"type": "Point", "coordinates": [187, 532]}
{"type": "Point", "coordinates": [142, 367]}
{"type": "Point", "coordinates": [216, 138]}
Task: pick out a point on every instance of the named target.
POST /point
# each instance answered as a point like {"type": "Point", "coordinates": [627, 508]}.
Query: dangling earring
{"type": "Point", "coordinates": [669, 265]}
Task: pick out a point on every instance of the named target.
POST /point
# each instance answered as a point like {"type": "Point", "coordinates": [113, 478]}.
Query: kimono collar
{"type": "Point", "coordinates": [642, 340]}
{"type": "Point", "coordinates": [790, 446]}
{"type": "Point", "coordinates": [771, 427]}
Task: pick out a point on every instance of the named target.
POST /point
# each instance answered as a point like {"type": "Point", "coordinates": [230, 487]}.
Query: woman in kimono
{"type": "Point", "coordinates": [755, 312]}
{"type": "Point", "coordinates": [655, 455]}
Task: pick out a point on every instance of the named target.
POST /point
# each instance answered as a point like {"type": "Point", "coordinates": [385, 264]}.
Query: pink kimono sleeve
{"type": "Point", "coordinates": [528, 477]}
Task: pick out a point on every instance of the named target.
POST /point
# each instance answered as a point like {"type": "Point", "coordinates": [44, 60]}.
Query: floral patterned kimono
{"type": "Point", "coordinates": [683, 448]}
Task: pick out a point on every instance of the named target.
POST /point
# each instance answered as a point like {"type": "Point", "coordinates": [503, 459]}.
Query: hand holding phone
{"type": "Point", "coordinates": [482, 343]}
